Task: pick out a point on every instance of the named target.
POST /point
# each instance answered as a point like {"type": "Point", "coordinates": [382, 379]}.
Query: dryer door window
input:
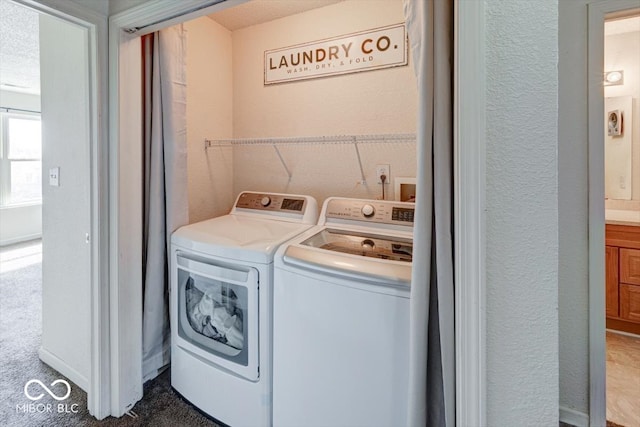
{"type": "Point", "coordinates": [218, 313]}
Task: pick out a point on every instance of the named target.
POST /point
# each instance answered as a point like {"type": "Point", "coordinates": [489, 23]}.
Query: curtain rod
{"type": "Point", "coordinates": [134, 30]}
{"type": "Point", "coordinates": [21, 110]}
{"type": "Point", "coordinates": [339, 139]}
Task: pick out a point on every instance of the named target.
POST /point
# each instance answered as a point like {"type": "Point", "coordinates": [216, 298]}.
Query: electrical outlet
{"type": "Point", "coordinates": [623, 183]}
{"type": "Point", "coordinates": [383, 170]}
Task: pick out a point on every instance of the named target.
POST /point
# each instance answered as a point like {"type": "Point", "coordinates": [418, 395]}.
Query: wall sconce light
{"type": "Point", "coordinates": [612, 78]}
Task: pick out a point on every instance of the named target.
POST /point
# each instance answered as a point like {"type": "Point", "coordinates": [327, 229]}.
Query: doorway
{"type": "Point", "coordinates": [602, 260]}
{"type": "Point", "coordinates": [622, 217]}
{"type": "Point", "coordinates": [125, 120]}
{"type": "Point", "coordinates": [51, 169]}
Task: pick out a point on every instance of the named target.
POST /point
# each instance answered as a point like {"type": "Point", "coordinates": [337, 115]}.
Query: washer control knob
{"type": "Point", "coordinates": [368, 244]}
{"type": "Point", "coordinates": [368, 211]}
{"type": "Point", "coordinates": [265, 201]}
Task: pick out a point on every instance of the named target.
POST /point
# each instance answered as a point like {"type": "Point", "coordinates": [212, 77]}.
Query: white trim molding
{"type": "Point", "coordinates": [598, 11]}
{"type": "Point", "coordinates": [573, 418]}
{"type": "Point", "coordinates": [61, 366]}
{"type": "Point", "coordinates": [125, 171]}
{"type": "Point", "coordinates": [155, 15]}
{"type": "Point", "coordinates": [469, 211]}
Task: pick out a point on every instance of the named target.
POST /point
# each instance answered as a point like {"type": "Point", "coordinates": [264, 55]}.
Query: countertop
{"type": "Point", "coordinates": [620, 217]}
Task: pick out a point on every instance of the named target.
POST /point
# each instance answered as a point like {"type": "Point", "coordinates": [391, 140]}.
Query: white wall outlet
{"type": "Point", "coordinates": [54, 177]}
{"type": "Point", "coordinates": [383, 170]}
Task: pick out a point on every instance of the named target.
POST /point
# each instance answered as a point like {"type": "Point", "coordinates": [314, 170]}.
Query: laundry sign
{"type": "Point", "coordinates": [363, 51]}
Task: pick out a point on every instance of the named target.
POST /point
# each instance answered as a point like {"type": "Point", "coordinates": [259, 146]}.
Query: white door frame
{"type": "Point", "coordinates": [469, 212]}
{"type": "Point", "coordinates": [125, 30]}
{"type": "Point", "coordinates": [96, 26]}
{"type": "Point", "coordinates": [598, 11]}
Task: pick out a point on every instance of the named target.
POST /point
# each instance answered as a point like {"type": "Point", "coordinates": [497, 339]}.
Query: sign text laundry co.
{"type": "Point", "coordinates": [367, 50]}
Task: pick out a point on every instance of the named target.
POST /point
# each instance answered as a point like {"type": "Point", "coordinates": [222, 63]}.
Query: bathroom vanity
{"type": "Point", "coordinates": [622, 239]}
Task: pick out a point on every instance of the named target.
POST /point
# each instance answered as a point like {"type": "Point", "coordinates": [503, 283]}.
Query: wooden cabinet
{"type": "Point", "coordinates": [623, 277]}
{"type": "Point", "coordinates": [612, 284]}
{"type": "Point", "coordinates": [630, 266]}
{"type": "Point", "coordinates": [630, 302]}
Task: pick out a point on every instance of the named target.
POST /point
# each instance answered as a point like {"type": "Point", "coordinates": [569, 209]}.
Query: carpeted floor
{"type": "Point", "coordinates": [20, 332]}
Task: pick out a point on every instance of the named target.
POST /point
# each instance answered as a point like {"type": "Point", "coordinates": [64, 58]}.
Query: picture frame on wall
{"type": "Point", "coordinates": [614, 123]}
{"type": "Point", "coordinates": [405, 189]}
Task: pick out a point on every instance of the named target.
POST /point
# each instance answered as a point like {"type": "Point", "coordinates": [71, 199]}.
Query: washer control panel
{"type": "Point", "coordinates": [271, 202]}
{"type": "Point", "coordinates": [378, 211]}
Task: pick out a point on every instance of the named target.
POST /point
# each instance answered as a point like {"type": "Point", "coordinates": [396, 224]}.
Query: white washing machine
{"type": "Point", "coordinates": [221, 305]}
{"type": "Point", "coordinates": [341, 317]}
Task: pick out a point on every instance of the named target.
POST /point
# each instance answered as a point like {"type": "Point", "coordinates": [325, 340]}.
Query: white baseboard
{"type": "Point", "coordinates": [573, 417]}
{"type": "Point", "coordinates": [627, 334]}
{"type": "Point", "coordinates": [62, 367]}
{"type": "Point", "coordinates": [20, 239]}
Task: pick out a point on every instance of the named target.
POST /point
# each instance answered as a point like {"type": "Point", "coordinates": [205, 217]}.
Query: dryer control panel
{"type": "Point", "coordinates": [377, 211]}
{"type": "Point", "coordinates": [283, 207]}
{"type": "Point", "coordinates": [271, 202]}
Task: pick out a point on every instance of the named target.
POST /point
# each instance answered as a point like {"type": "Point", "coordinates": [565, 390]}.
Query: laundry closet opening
{"type": "Point", "coordinates": [227, 99]}
{"type": "Point", "coordinates": [329, 135]}
{"type": "Point", "coordinates": [266, 97]}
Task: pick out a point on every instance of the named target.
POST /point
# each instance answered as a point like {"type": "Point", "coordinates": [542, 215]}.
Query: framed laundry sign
{"type": "Point", "coordinates": [374, 49]}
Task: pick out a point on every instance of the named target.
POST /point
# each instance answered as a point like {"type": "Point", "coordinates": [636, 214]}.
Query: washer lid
{"type": "Point", "coordinates": [237, 237]}
{"type": "Point", "coordinates": [362, 244]}
{"type": "Point", "coordinates": [365, 256]}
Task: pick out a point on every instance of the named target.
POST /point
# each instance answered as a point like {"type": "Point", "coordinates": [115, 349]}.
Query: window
{"type": "Point", "coordinates": [20, 159]}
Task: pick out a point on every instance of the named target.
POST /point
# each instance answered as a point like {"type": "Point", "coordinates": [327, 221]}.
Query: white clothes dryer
{"type": "Point", "coordinates": [341, 317]}
{"type": "Point", "coordinates": [221, 304]}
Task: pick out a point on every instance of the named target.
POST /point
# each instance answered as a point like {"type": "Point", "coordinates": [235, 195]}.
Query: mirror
{"type": "Point", "coordinates": [621, 80]}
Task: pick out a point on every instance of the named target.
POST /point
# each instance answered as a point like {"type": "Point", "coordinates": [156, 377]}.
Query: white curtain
{"type": "Point", "coordinates": [432, 358]}
{"type": "Point", "coordinates": [165, 184]}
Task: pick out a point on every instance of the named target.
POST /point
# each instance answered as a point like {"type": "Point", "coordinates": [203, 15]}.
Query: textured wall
{"type": "Point", "coordinates": [321, 170]}
{"type": "Point", "coordinates": [209, 116]}
{"type": "Point", "coordinates": [225, 85]}
{"type": "Point", "coordinates": [381, 101]}
{"type": "Point", "coordinates": [522, 213]}
{"type": "Point", "coordinates": [66, 209]}
{"type": "Point", "coordinates": [573, 292]}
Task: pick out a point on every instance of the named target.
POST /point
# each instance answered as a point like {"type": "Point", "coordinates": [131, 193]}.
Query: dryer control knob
{"type": "Point", "coordinates": [266, 201]}
{"type": "Point", "coordinates": [368, 211]}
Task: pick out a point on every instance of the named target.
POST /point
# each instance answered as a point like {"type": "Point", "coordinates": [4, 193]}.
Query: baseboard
{"type": "Point", "coordinates": [573, 417]}
{"type": "Point", "coordinates": [626, 334]}
{"type": "Point", "coordinates": [62, 367]}
{"type": "Point", "coordinates": [623, 326]}
{"type": "Point", "coordinates": [26, 238]}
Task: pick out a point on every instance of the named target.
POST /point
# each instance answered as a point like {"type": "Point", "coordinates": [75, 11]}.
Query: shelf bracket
{"type": "Point", "coordinates": [284, 165]}
{"type": "Point", "coordinates": [355, 144]}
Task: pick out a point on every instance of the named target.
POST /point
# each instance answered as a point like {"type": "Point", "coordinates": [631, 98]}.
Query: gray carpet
{"type": "Point", "coordinates": [20, 332]}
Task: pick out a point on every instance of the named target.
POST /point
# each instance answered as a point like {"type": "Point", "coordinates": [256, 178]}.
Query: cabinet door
{"type": "Point", "coordinates": [611, 264]}
{"type": "Point", "coordinates": [630, 302]}
{"type": "Point", "coordinates": [630, 266]}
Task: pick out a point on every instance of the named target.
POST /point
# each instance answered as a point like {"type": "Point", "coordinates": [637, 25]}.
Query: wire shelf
{"type": "Point", "coordinates": [338, 139]}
